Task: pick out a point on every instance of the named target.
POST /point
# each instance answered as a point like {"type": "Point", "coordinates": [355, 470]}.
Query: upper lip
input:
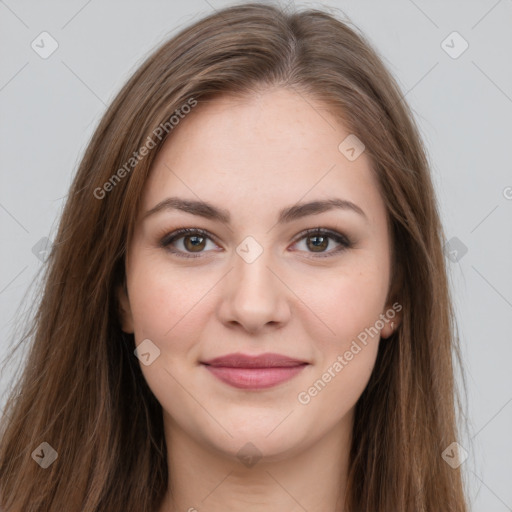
{"type": "Point", "coordinates": [266, 360]}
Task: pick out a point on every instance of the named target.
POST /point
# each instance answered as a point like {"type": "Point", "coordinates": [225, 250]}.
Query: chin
{"type": "Point", "coordinates": [252, 447]}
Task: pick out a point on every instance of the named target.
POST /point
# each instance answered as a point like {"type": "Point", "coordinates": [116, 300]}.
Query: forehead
{"type": "Point", "coordinates": [261, 151]}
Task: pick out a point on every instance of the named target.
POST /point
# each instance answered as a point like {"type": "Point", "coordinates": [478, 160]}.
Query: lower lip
{"type": "Point", "coordinates": [254, 378]}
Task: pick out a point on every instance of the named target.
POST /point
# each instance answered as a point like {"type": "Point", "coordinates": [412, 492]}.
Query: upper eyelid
{"type": "Point", "coordinates": [184, 232]}
{"type": "Point", "coordinates": [180, 233]}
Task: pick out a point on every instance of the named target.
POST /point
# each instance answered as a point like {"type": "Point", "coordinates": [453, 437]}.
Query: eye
{"type": "Point", "coordinates": [317, 240]}
{"type": "Point", "coordinates": [193, 240]}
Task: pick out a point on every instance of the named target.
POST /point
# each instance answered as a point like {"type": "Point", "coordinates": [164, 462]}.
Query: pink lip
{"type": "Point", "coordinates": [254, 372]}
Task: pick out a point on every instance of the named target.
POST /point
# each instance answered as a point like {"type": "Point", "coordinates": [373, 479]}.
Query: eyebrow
{"type": "Point", "coordinates": [286, 215]}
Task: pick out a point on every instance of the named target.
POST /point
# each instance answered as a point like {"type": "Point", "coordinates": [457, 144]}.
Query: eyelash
{"type": "Point", "coordinates": [345, 242]}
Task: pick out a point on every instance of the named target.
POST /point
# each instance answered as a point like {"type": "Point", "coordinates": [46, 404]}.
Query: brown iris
{"type": "Point", "coordinates": [318, 245]}
{"type": "Point", "coordinates": [197, 243]}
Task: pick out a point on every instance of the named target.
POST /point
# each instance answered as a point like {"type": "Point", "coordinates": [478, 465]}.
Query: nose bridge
{"type": "Point", "coordinates": [251, 273]}
{"type": "Point", "coordinates": [254, 296]}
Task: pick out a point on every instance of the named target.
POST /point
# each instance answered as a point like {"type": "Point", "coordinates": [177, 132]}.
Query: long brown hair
{"type": "Point", "coordinates": [82, 390]}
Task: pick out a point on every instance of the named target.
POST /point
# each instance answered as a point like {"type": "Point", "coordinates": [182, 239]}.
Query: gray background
{"type": "Point", "coordinates": [50, 107]}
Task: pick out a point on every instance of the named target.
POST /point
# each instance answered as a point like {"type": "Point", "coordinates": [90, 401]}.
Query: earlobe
{"type": "Point", "coordinates": [389, 330]}
{"type": "Point", "coordinates": [124, 309]}
{"type": "Point", "coordinates": [391, 326]}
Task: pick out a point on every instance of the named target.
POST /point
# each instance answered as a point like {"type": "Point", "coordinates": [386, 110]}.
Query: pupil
{"type": "Point", "coordinates": [195, 243]}
{"type": "Point", "coordinates": [322, 244]}
{"type": "Point", "coordinates": [319, 242]}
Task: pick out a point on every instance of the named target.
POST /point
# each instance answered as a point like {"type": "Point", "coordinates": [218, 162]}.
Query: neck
{"type": "Point", "coordinates": [312, 478]}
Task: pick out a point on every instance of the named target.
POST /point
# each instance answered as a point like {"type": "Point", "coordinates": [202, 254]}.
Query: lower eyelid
{"type": "Point", "coordinates": [342, 240]}
{"type": "Point", "coordinates": [167, 241]}
{"type": "Point", "coordinates": [341, 245]}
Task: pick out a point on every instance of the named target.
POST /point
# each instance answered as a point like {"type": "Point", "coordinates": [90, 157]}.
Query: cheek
{"type": "Point", "coordinates": [351, 307]}
{"type": "Point", "coordinates": [162, 300]}
{"type": "Point", "coordinates": [352, 314]}
{"type": "Point", "coordinates": [168, 308]}
{"type": "Point", "coordinates": [348, 302]}
{"type": "Point", "coordinates": [332, 394]}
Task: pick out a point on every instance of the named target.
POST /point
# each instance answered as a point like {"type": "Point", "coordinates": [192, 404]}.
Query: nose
{"type": "Point", "coordinates": [254, 297]}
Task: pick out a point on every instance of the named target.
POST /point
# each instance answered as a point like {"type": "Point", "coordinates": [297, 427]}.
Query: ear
{"type": "Point", "coordinates": [393, 311]}
{"type": "Point", "coordinates": [393, 322]}
{"type": "Point", "coordinates": [124, 309]}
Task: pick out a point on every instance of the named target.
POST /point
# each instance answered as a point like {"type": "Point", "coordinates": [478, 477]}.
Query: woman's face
{"type": "Point", "coordinates": [256, 283]}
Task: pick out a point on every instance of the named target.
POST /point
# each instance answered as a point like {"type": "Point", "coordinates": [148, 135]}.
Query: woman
{"type": "Point", "coordinates": [246, 304]}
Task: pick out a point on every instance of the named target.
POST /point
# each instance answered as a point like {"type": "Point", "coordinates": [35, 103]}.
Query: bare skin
{"type": "Point", "coordinates": [253, 157]}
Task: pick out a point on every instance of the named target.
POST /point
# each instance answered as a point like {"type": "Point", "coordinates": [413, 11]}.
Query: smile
{"type": "Point", "coordinates": [254, 371]}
